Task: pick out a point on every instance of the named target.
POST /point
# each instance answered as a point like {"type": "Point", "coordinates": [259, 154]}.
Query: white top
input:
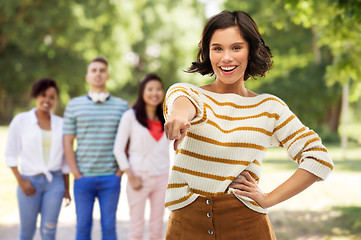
{"type": "Point", "coordinates": [25, 142]}
{"type": "Point", "coordinates": [46, 141]}
{"type": "Point", "coordinates": [230, 134]}
{"type": "Point", "coordinates": [145, 153]}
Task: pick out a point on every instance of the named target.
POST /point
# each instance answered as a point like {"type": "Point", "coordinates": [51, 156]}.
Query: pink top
{"type": "Point", "coordinates": [155, 129]}
{"type": "Point", "coordinates": [146, 154]}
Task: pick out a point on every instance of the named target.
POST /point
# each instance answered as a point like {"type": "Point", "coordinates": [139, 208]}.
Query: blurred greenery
{"type": "Point", "coordinates": [316, 47]}
{"type": "Point", "coordinates": [56, 39]}
{"type": "Point", "coordinates": [339, 222]}
{"type": "Point", "coordinates": [349, 161]}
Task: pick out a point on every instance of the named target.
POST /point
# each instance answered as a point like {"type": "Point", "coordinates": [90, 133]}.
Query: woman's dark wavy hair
{"type": "Point", "coordinates": [139, 105]}
{"type": "Point", "coordinates": [42, 85]}
{"type": "Point", "coordinates": [259, 59]}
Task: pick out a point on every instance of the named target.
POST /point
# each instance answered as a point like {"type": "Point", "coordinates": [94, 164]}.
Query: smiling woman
{"type": "Point", "coordinates": [146, 159]}
{"type": "Point", "coordinates": [36, 138]}
{"type": "Point", "coordinates": [229, 55]}
{"type": "Point", "coordinates": [222, 131]}
{"type": "Point", "coordinates": [46, 99]}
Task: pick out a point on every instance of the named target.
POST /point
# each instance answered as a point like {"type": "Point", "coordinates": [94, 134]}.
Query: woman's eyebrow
{"type": "Point", "coordinates": [239, 43]}
{"type": "Point", "coordinates": [236, 43]}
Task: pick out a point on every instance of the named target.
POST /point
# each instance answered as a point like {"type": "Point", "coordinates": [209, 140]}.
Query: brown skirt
{"type": "Point", "coordinates": [218, 218]}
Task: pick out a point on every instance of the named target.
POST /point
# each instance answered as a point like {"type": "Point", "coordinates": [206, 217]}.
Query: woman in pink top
{"type": "Point", "coordinates": [146, 159]}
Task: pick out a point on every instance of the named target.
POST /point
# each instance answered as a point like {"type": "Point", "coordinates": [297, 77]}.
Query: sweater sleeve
{"type": "Point", "coordinates": [121, 140]}
{"type": "Point", "coordinates": [188, 91]}
{"type": "Point", "coordinates": [303, 145]}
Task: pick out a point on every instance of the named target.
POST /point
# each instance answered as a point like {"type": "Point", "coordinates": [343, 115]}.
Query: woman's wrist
{"type": "Point", "coordinates": [129, 173]}
{"type": "Point", "coordinates": [21, 181]}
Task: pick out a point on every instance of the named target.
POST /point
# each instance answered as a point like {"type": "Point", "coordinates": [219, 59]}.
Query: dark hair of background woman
{"type": "Point", "coordinates": [42, 85]}
{"type": "Point", "coordinates": [259, 56]}
{"type": "Point", "coordinates": [139, 105]}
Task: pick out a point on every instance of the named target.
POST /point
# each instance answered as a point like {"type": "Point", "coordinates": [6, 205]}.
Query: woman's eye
{"type": "Point", "coordinates": [218, 48]}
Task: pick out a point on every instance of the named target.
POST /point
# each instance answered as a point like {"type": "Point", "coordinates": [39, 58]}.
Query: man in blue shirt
{"type": "Point", "coordinates": [93, 121]}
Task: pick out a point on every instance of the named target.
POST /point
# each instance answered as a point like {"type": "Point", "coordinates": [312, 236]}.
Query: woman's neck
{"type": "Point", "coordinates": [236, 88]}
{"type": "Point", "coordinates": [151, 112]}
{"type": "Point", "coordinates": [42, 115]}
{"type": "Point", "coordinates": [43, 118]}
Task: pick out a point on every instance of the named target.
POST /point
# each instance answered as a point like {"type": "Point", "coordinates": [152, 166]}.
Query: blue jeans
{"type": "Point", "coordinates": [47, 201]}
{"type": "Point", "coordinates": [107, 190]}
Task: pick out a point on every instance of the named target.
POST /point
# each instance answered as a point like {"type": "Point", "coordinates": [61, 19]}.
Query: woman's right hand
{"type": "Point", "coordinates": [26, 187]}
{"type": "Point", "coordinates": [178, 122]}
{"type": "Point", "coordinates": [175, 128]}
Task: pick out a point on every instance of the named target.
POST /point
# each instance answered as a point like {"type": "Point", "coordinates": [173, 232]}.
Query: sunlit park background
{"type": "Point", "coordinates": [316, 47]}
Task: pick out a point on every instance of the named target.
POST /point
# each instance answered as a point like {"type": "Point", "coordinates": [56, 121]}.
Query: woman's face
{"type": "Point", "coordinates": [46, 100]}
{"type": "Point", "coordinates": [153, 93]}
{"type": "Point", "coordinates": [228, 52]}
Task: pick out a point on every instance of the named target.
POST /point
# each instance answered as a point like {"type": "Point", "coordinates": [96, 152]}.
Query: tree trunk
{"type": "Point", "coordinates": [316, 49]}
{"type": "Point", "coordinates": [333, 116]}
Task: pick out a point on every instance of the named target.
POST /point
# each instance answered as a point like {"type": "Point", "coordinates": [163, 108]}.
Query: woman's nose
{"type": "Point", "coordinates": [227, 56]}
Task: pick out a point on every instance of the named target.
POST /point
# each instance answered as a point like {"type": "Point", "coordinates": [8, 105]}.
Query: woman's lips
{"type": "Point", "coordinates": [227, 70]}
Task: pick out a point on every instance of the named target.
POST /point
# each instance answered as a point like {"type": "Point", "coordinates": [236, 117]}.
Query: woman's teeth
{"type": "Point", "coordinates": [228, 69]}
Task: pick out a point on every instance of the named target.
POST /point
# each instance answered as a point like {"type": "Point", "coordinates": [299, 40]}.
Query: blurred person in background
{"type": "Point", "coordinates": [142, 152]}
{"type": "Point", "coordinates": [92, 120]}
{"type": "Point", "coordinates": [35, 137]}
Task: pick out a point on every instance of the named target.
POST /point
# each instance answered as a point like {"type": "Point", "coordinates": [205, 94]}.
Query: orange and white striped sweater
{"type": "Point", "coordinates": [230, 134]}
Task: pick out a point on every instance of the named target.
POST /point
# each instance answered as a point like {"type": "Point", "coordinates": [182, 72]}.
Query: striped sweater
{"type": "Point", "coordinates": [95, 126]}
{"type": "Point", "coordinates": [230, 134]}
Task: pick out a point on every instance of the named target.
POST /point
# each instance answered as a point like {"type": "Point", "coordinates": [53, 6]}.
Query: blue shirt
{"type": "Point", "coordinates": [95, 127]}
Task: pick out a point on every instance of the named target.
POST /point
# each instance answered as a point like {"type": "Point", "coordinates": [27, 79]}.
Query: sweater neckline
{"type": "Point", "coordinates": [230, 95]}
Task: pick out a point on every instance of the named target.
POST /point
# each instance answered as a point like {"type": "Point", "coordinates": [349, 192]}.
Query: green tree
{"type": "Point", "coordinates": [165, 41]}
{"type": "Point", "coordinates": [41, 38]}
{"type": "Point", "coordinates": [338, 24]}
{"type": "Point", "coordinates": [48, 39]}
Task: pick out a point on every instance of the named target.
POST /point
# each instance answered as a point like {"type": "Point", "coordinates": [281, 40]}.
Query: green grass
{"type": "Point", "coordinates": [337, 223]}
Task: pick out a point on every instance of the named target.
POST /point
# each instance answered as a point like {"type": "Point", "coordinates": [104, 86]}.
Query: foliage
{"type": "Point", "coordinates": [41, 38]}
{"type": "Point", "coordinates": [48, 39]}
{"type": "Point", "coordinates": [168, 33]}
{"type": "Point", "coordinates": [338, 24]}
